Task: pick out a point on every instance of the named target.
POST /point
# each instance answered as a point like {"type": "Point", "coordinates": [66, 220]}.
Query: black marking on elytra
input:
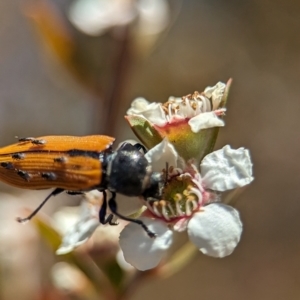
{"type": "Point", "coordinates": [7, 165]}
{"type": "Point", "coordinates": [49, 175]}
{"type": "Point", "coordinates": [25, 139]}
{"type": "Point", "coordinates": [77, 152]}
{"type": "Point", "coordinates": [18, 156]}
{"type": "Point", "coordinates": [38, 142]}
{"type": "Point", "coordinates": [60, 159]}
{"type": "Point", "coordinates": [24, 175]}
{"type": "Point", "coordinates": [32, 140]}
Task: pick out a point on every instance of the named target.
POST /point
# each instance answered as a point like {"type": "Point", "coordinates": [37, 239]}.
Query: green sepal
{"type": "Point", "coordinates": [144, 131]}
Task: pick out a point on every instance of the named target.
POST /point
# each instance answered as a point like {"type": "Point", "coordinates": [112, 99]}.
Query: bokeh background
{"type": "Point", "coordinates": [257, 43]}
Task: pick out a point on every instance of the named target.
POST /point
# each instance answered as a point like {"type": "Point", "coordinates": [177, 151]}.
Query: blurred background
{"type": "Point", "coordinates": [62, 75]}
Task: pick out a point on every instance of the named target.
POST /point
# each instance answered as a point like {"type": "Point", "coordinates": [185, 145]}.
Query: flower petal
{"type": "Point", "coordinates": [78, 235]}
{"type": "Point", "coordinates": [139, 249]}
{"type": "Point", "coordinates": [205, 120]}
{"type": "Point", "coordinates": [227, 169]}
{"type": "Point", "coordinates": [216, 230]}
{"type": "Point", "coordinates": [138, 105]}
{"type": "Point", "coordinates": [153, 112]}
{"type": "Point", "coordinates": [85, 226]}
{"type": "Point", "coordinates": [215, 93]}
{"type": "Point", "coordinates": [161, 154]}
{"type": "Point", "coordinates": [180, 225]}
{"type": "Point", "coordinates": [122, 262]}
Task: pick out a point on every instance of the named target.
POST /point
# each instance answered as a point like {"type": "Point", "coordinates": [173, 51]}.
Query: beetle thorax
{"type": "Point", "coordinates": [128, 171]}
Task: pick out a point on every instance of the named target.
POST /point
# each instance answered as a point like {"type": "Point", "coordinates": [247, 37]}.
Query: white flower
{"type": "Point", "coordinates": [94, 17]}
{"type": "Point", "coordinates": [200, 110]}
{"type": "Point", "coordinates": [190, 202]}
{"type": "Point", "coordinates": [87, 223]}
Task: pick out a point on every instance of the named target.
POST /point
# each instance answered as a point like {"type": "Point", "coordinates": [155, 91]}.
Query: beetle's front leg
{"type": "Point", "coordinates": [102, 213]}
{"type": "Point", "coordinates": [113, 207]}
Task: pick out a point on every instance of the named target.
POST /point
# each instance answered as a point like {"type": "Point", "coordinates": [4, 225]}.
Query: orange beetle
{"type": "Point", "coordinates": [80, 164]}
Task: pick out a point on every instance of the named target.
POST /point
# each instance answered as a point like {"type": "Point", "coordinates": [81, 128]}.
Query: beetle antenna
{"type": "Point", "coordinates": [113, 207]}
{"type": "Point", "coordinates": [53, 193]}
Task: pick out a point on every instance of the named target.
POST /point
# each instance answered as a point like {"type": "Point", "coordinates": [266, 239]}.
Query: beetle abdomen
{"type": "Point", "coordinates": [40, 170]}
{"type": "Point", "coordinates": [67, 162]}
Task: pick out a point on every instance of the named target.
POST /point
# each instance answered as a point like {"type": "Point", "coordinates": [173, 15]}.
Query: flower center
{"type": "Point", "coordinates": [187, 106]}
{"type": "Point", "coordinates": [180, 198]}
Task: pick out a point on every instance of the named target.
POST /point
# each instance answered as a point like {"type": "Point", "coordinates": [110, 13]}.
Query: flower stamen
{"type": "Point", "coordinates": [171, 209]}
{"type": "Point", "coordinates": [156, 209]}
{"type": "Point", "coordinates": [178, 209]}
{"type": "Point", "coordinates": [164, 211]}
{"type": "Point", "coordinates": [181, 196]}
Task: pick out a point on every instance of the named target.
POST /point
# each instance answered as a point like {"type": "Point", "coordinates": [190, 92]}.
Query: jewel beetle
{"type": "Point", "coordinates": [80, 164]}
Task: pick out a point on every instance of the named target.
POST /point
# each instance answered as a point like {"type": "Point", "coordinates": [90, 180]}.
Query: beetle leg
{"type": "Point", "coordinates": [113, 207]}
{"type": "Point", "coordinates": [102, 212]}
{"type": "Point", "coordinates": [53, 193]}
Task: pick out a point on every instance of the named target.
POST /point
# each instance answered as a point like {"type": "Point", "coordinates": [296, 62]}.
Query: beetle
{"type": "Point", "coordinates": [79, 164]}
